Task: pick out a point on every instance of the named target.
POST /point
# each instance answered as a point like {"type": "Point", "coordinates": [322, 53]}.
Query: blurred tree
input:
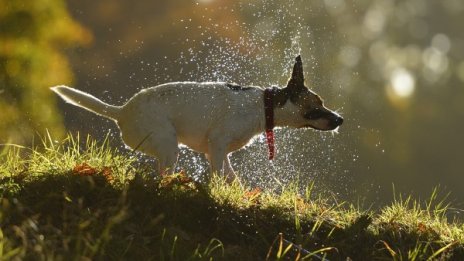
{"type": "Point", "coordinates": [33, 35]}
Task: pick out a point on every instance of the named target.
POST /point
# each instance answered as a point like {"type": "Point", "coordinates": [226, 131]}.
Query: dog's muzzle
{"type": "Point", "coordinates": [336, 121]}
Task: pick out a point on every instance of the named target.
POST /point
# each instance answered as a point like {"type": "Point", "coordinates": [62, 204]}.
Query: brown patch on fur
{"type": "Point", "coordinates": [295, 86]}
{"type": "Point", "coordinates": [298, 93]}
{"type": "Point", "coordinates": [297, 73]}
{"type": "Point", "coordinates": [311, 105]}
{"type": "Point", "coordinates": [308, 99]}
{"type": "Point", "coordinates": [280, 96]}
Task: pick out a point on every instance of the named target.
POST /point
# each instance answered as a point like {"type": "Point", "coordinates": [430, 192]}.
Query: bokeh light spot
{"type": "Point", "coordinates": [441, 42]}
{"type": "Point", "coordinates": [402, 83]}
{"type": "Point", "coordinates": [350, 55]}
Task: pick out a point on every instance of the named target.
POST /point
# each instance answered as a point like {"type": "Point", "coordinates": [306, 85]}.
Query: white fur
{"type": "Point", "coordinates": [207, 117]}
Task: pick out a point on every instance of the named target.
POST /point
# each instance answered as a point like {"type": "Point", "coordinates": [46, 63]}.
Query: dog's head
{"type": "Point", "coordinates": [307, 108]}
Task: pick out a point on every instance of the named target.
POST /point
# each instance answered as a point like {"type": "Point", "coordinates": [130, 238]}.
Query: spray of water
{"type": "Point", "coordinates": [261, 52]}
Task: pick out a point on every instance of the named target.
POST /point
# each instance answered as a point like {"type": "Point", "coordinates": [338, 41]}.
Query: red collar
{"type": "Point", "coordinates": [269, 115]}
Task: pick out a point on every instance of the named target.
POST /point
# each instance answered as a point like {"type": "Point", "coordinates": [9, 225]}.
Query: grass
{"type": "Point", "coordinates": [81, 200]}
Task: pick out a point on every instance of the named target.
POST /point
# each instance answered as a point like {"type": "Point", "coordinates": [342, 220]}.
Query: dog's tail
{"type": "Point", "coordinates": [87, 101]}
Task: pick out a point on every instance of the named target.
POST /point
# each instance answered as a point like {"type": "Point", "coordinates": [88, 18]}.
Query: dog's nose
{"type": "Point", "coordinates": [339, 121]}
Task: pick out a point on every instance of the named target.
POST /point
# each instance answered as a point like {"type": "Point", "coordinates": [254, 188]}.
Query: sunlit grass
{"type": "Point", "coordinates": [55, 157]}
{"type": "Point", "coordinates": [78, 198]}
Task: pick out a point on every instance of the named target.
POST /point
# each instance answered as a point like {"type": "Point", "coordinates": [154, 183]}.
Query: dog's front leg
{"type": "Point", "coordinates": [216, 155]}
{"type": "Point", "coordinates": [216, 163]}
{"type": "Point", "coordinates": [228, 170]}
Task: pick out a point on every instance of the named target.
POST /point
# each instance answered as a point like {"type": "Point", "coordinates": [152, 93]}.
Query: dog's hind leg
{"type": "Point", "coordinates": [168, 160]}
{"type": "Point", "coordinates": [162, 145]}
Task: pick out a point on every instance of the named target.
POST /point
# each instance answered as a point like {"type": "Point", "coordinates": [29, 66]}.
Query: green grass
{"type": "Point", "coordinates": [68, 201]}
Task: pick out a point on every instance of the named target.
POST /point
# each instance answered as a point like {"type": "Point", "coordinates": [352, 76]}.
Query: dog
{"type": "Point", "coordinates": [214, 118]}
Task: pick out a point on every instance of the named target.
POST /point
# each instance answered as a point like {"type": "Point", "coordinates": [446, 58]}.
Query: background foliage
{"type": "Point", "coordinates": [33, 35]}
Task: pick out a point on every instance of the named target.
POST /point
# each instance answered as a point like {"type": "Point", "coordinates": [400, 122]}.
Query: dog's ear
{"type": "Point", "coordinates": [297, 79]}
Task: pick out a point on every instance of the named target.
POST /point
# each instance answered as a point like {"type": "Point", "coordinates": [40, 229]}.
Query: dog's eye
{"type": "Point", "coordinates": [314, 114]}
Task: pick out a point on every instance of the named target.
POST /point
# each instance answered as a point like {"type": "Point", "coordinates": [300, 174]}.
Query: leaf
{"type": "Point", "coordinates": [253, 195]}
{"type": "Point", "coordinates": [107, 172]}
{"type": "Point", "coordinates": [84, 169]}
{"type": "Point", "coordinates": [421, 227]}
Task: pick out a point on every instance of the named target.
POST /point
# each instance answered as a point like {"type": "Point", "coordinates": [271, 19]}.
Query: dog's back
{"type": "Point", "coordinates": [195, 111]}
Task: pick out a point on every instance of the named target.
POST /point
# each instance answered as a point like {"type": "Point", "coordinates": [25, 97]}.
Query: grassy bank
{"type": "Point", "coordinates": [67, 201]}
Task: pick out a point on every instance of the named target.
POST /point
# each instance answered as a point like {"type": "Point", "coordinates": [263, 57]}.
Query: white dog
{"type": "Point", "coordinates": [214, 118]}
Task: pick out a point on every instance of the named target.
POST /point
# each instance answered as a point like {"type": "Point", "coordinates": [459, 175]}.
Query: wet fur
{"type": "Point", "coordinates": [214, 118]}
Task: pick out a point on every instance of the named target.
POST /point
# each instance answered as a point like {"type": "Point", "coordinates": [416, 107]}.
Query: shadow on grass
{"type": "Point", "coordinates": [74, 217]}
